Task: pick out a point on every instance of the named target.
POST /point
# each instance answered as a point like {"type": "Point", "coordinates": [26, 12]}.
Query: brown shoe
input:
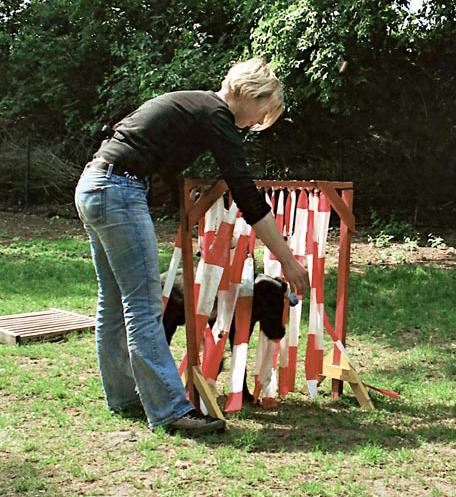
{"type": "Point", "coordinates": [195, 422]}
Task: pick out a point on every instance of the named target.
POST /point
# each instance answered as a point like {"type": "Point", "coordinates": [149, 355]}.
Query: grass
{"type": "Point", "coordinates": [57, 439]}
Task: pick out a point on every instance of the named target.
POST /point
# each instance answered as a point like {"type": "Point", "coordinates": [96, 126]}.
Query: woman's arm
{"type": "Point", "coordinates": [296, 275]}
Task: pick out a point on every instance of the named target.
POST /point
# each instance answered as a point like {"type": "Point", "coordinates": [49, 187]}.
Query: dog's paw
{"type": "Point", "coordinates": [270, 403]}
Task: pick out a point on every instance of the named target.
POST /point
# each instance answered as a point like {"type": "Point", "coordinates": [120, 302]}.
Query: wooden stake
{"type": "Point", "coordinates": [345, 372]}
{"type": "Point", "coordinates": [206, 394]}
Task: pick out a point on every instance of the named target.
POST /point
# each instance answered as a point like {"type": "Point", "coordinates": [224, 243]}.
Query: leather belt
{"type": "Point", "coordinates": [103, 165]}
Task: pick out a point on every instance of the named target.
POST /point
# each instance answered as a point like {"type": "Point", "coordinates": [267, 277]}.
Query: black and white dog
{"type": "Point", "coordinates": [267, 309]}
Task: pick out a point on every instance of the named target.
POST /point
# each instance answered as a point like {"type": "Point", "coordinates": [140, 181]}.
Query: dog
{"type": "Point", "coordinates": [267, 309]}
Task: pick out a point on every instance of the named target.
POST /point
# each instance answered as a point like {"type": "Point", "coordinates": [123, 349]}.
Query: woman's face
{"type": "Point", "coordinates": [249, 111]}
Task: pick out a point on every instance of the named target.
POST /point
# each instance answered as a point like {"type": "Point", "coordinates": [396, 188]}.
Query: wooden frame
{"type": "Point", "coordinates": [191, 212]}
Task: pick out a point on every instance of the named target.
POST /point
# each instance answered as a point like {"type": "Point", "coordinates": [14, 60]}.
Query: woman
{"type": "Point", "coordinates": [165, 135]}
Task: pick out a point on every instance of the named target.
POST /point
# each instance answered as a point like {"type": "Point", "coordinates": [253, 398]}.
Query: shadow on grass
{"type": "Point", "coordinates": [18, 477]}
{"type": "Point", "coordinates": [339, 426]}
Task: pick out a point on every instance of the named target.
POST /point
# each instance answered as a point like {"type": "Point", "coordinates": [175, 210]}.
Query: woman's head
{"type": "Point", "coordinates": [254, 94]}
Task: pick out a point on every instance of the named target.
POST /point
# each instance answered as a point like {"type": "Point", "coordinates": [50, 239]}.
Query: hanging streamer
{"type": "Point", "coordinates": [284, 370]}
{"type": "Point", "coordinates": [241, 337]}
{"type": "Point", "coordinates": [172, 270]}
{"type": "Point", "coordinates": [317, 230]}
{"type": "Point", "coordinates": [284, 380]}
{"type": "Point", "coordinates": [216, 260]}
{"type": "Point", "coordinates": [210, 224]}
{"type": "Point", "coordinates": [226, 301]}
{"type": "Point", "coordinates": [210, 271]}
{"type": "Point", "coordinates": [272, 266]}
{"type": "Point", "coordinates": [298, 248]}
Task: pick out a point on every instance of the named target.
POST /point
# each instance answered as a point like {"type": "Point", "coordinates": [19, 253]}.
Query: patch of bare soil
{"type": "Point", "coordinates": [364, 253]}
{"type": "Point", "coordinates": [26, 226]}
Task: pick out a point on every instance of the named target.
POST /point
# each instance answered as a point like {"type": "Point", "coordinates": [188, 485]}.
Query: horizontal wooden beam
{"type": "Point", "coordinates": [290, 184]}
{"type": "Point", "coordinates": [296, 184]}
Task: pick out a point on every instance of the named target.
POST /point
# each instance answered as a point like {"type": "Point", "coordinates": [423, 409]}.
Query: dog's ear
{"type": "Point", "coordinates": [284, 284]}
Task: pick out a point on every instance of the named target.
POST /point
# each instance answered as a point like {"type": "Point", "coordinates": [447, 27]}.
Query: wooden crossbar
{"type": "Point", "coordinates": [289, 184]}
{"type": "Point", "coordinates": [20, 328]}
{"type": "Point", "coordinates": [215, 188]}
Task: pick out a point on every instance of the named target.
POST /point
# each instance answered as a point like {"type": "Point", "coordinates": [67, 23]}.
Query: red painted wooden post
{"type": "Point", "coordinates": [189, 301]}
{"type": "Point", "coordinates": [342, 288]}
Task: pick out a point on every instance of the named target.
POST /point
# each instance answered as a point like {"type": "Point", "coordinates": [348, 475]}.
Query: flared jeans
{"type": "Point", "coordinates": [135, 363]}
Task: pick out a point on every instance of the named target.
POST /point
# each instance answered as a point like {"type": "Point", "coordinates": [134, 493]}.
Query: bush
{"type": "Point", "coordinates": [51, 178]}
{"type": "Point", "coordinates": [393, 229]}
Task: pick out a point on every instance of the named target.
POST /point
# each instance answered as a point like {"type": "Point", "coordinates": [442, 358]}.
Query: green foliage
{"type": "Point", "coordinates": [375, 122]}
{"type": "Point", "coordinates": [369, 85]}
{"type": "Point", "coordinates": [308, 42]}
{"type": "Point", "coordinates": [411, 244]}
{"type": "Point", "coordinates": [394, 229]}
{"type": "Point", "coordinates": [183, 45]}
{"type": "Point", "coordinates": [56, 57]}
{"type": "Point", "coordinates": [381, 240]}
{"type": "Point", "coordinates": [436, 241]}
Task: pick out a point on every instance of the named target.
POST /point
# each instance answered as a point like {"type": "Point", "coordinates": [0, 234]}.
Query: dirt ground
{"type": "Point", "coordinates": [24, 226]}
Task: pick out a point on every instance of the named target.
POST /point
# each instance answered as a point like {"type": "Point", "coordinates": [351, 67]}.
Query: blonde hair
{"type": "Point", "coordinates": [253, 78]}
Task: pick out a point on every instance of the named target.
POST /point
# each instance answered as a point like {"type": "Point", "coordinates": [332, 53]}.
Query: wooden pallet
{"type": "Point", "coordinates": [45, 325]}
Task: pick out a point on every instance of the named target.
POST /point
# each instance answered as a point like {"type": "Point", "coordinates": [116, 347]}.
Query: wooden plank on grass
{"type": "Point", "coordinates": [19, 328]}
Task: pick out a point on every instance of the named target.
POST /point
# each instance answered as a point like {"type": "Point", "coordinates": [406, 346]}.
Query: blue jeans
{"type": "Point", "coordinates": [134, 359]}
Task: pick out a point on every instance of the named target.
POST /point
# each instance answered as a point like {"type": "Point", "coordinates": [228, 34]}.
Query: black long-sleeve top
{"type": "Point", "coordinates": [166, 134]}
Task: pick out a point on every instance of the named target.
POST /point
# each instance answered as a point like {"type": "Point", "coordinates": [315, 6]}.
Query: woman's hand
{"type": "Point", "coordinates": [295, 274]}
